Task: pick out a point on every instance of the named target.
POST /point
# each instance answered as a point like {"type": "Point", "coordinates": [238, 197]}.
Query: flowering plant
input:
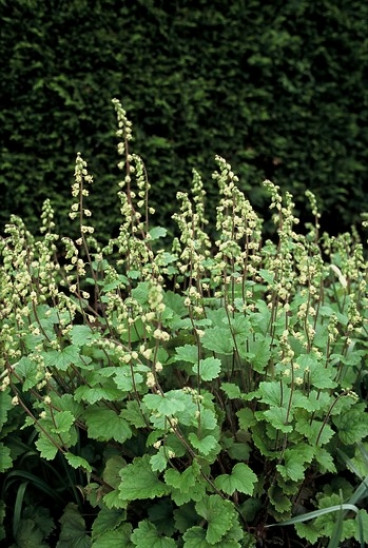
{"type": "Point", "coordinates": [193, 394]}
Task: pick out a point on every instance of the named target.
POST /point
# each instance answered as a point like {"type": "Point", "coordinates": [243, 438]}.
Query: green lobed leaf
{"type": "Point", "coordinates": [173, 403]}
{"type": "Point", "coordinates": [231, 390]}
{"type": "Point", "coordinates": [185, 517]}
{"type": "Point", "coordinates": [111, 473]}
{"type": "Point", "coordinates": [133, 414]}
{"type": "Point", "coordinates": [277, 417]}
{"type": "Point", "coordinates": [267, 275]}
{"type": "Point", "coordinates": [6, 461]}
{"type": "Point", "coordinates": [141, 292]}
{"type": "Point", "coordinates": [207, 419]}
{"type": "Point", "coordinates": [78, 462]}
{"type": "Point", "coordinates": [291, 470]}
{"type": "Point", "coordinates": [73, 532]}
{"type": "Point", "coordinates": [325, 460]}
{"type": "Point", "coordinates": [240, 326]}
{"type": "Point", "coordinates": [29, 535]}
{"type": "Point", "coordinates": [301, 401]}
{"type": "Point", "coordinates": [82, 335]}
{"type": "Point", "coordinates": [246, 418]}
{"type": "Point", "coordinates": [176, 303]}
{"type": "Point", "coordinates": [159, 460]}
{"type": "Point", "coordinates": [187, 353]}
{"type": "Point", "coordinates": [160, 513]}
{"type": "Point", "coordinates": [28, 370]}
{"type": "Point", "coordinates": [67, 403]}
{"type": "Point", "coordinates": [352, 426]}
{"type": "Point", "coordinates": [105, 424]}
{"type": "Point", "coordinates": [272, 394]}
{"type": "Point", "coordinates": [183, 481]}
{"type": "Point", "coordinates": [124, 381]}
{"type": "Point", "coordinates": [296, 461]}
{"type": "Point", "coordinates": [47, 449]}
{"type": "Point", "coordinates": [317, 401]}
{"type": "Point", "coordinates": [147, 536]}
{"type": "Point", "coordinates": [209, 368]}
{"type": "Point", "coordinates": [315, 431]}
{"type": "Point", "coordinates": [168, 404]}
{"type": "Point", "coordinates": [5, 406]}
{"type": "Point", "coordinates": [195, 537]}
{"type": "Point", "coordinates": [197, 492]}
{"type": "Point", "coordinates": [219, 514]}
{"type": "Point", "coordinates": [113, 500]}
{"type": "Point", "coordinates": [241, 479]}
{"type": "Point", "coordinates": [138, 481]}
{"type": "Point", "coordinates": [310, 531]}
{"type": "Point", "coordinates": [239, 451]}
{"type": "Point", "coordinates": [219, 340]}
{"type": "Point", "coordinates": [117, 538]}
{"type": "Point", "coordinates": [260, 320]}
{"type": "Point", "coordinates": [262, 353]}
{"type": "Point", "coordinates": [62, 359]}
{"type": "Point", "coordinates": [279, 500]}
{"type": "Point", "coordinates": [319, 375]}
{"type": "Point", "coordinates": [204, 445]}
{"type": "Point", "coordinates": [107, 520]}
{"type": "Point", "coordinates": [95, 394]}
{"type": "Point", "coordinates": [63, 420]}
{"type": "Point", "coordinates": [157, 232]}
{"type": "Point", "coordinates": [256, 351]}
{"type": "Point", "coordinates": [217, 316]}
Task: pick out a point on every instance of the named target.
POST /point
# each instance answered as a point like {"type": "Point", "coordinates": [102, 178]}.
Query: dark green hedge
{"type": "Point", "coordinates": [278, 88]}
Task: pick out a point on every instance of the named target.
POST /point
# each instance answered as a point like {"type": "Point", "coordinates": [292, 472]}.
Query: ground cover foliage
{"type": "Point", "coordinates": [277, 88]}
{"type": "Point", "coordinates": [207, 393]}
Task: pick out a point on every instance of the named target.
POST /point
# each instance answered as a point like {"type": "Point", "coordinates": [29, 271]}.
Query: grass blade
{"type": "Point", "coordinates": [36, 481]}
{"type": "Point", "coordinates": [337, 530]}
{"type": "Point", "coordinates": [315, 514]}
{"type": "Point", "coordinates": [360, 493]}
{"type": "Point", "coordinates": [17, 514]}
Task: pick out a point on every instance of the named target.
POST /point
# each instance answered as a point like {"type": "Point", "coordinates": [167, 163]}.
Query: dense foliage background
{"type": "Point", "coordinates": [278, 88]}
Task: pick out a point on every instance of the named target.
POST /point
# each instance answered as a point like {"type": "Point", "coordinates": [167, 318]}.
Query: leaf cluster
{"type": "Point", "coordinates": [181, 389]}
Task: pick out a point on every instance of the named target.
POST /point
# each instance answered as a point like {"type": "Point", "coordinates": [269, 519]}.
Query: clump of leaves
{"type": "Point", "coordinates": [202, 390]}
